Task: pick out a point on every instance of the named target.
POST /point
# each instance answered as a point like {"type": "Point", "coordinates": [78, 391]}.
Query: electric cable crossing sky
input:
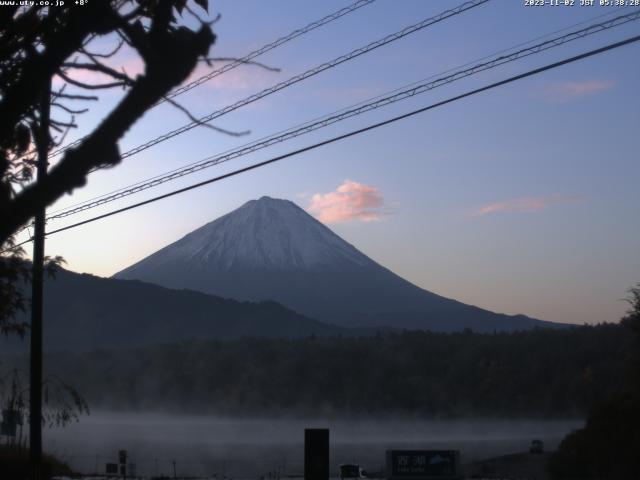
{"type": "Point", "coordinates": [515, 78]}
{"type": "Point", "coordinates": [404, 93]}
{"type": "Point", "coordinates": [303, 76]}
{"type": "Point", "coordinates": [247, 58]}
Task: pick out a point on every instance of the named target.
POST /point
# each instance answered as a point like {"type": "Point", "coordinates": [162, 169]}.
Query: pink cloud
{"type": "Point", "coordinates": [525, 204]}
{"type": "Point", "coordinates": [350, 201]}
{"type": "Point", "coordinates": [565, 91]}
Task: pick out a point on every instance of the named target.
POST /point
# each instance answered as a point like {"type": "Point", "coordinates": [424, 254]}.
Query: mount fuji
{"type": "Point", "coordinates": [271, 249]}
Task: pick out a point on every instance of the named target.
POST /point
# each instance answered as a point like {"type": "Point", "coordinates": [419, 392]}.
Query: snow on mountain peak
{"type": "Point", "coordinates": [267, 233]}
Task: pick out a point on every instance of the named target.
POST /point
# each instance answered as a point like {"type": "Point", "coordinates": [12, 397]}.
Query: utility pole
{"type": "Point", "coordinates": [35, 395]}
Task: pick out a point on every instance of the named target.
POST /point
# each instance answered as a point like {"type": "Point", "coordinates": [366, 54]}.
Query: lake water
{"type": "Point", "coordinates": [251, 447]}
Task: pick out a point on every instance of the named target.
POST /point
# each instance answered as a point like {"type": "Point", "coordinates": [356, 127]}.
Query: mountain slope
{"type": "Point", "coordinates": [270, 249]}
{"type": "Point", "coordinates": [84, 312]}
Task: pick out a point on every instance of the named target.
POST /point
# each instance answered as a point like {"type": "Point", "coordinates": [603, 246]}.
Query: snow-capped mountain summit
{"type": "Point", "coordinates": [265, 233]}
{"type": "Point", "coordinates": [271, 249]}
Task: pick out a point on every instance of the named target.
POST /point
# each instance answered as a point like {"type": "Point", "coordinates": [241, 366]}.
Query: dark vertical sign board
{"type": "Point", "coordinates": [423, 464]}
{"type": "Point", "coordinates": [122, 457]}
{"type": "Point", "coordinates": [316, 454]}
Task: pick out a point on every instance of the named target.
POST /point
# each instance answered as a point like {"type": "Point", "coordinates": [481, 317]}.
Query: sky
{"type": "Point", "coordinates": [522, 199]}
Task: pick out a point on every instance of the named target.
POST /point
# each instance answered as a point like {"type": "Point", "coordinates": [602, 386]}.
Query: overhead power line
{"type": "Point", "coordinates": [477, 60]}
{"type": "Point", "coordinates": [301, 76]}
{"type": "Point", "coordinates": [380, 101]}
{"type": "Point", "coordinates": [244, 60]}
{"type": "Point", "coordinates": [491, 86]}
{"type": "Point", "coordinates": [268, 47]}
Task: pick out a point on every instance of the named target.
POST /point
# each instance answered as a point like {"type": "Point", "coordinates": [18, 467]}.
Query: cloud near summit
{"type": "Point", "coordinates": [351, 201]}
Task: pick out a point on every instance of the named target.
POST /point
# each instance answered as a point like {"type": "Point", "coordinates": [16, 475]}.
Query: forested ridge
{"type": "Point", "coordinates": [539, 373]}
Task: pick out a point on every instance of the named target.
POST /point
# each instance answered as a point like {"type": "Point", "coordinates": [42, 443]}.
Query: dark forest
{"type": "Point", "coordinates": [538, 373]}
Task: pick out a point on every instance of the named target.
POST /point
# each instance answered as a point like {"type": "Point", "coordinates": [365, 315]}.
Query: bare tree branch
{"type": "Point", "coordinates": [58, 142]}
{"type": "Point", "coordinates": [99, 67]}
{"type": "Point", "coordinates": [90, 86]}
{"type": "Point", "coordinates": [63, 124]}
{"type": "Point", "coordinates": [69, 110]}
{"type": "Point", "coordinates": [204, 124]}
{"type": "Point", "coordinates": [77, 97]}
{"type": "Point", "coordinates": [104, 55]}
{"type": "Point", "coordinates": [208, 60]}
{"type": "Point", "coordinates": [209, 23]}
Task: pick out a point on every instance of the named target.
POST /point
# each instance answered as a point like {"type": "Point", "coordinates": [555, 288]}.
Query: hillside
{"type": "Point", "coordinates": [85, 312]}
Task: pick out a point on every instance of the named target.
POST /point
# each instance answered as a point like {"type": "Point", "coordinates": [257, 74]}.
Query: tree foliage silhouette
{"type": "Point", "coordinates": [607, 447]}
{"type": "Point", "coordinates": [39, 43]}
{"type": "Point", "coordinates": [535, 373]}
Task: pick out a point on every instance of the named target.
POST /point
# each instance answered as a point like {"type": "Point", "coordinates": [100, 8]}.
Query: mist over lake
{"type": "Point", "coordinates": [240, 447]}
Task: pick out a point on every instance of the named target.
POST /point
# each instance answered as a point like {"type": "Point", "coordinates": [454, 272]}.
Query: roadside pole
{"type": "Point", "coordinates": [35, 395]}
